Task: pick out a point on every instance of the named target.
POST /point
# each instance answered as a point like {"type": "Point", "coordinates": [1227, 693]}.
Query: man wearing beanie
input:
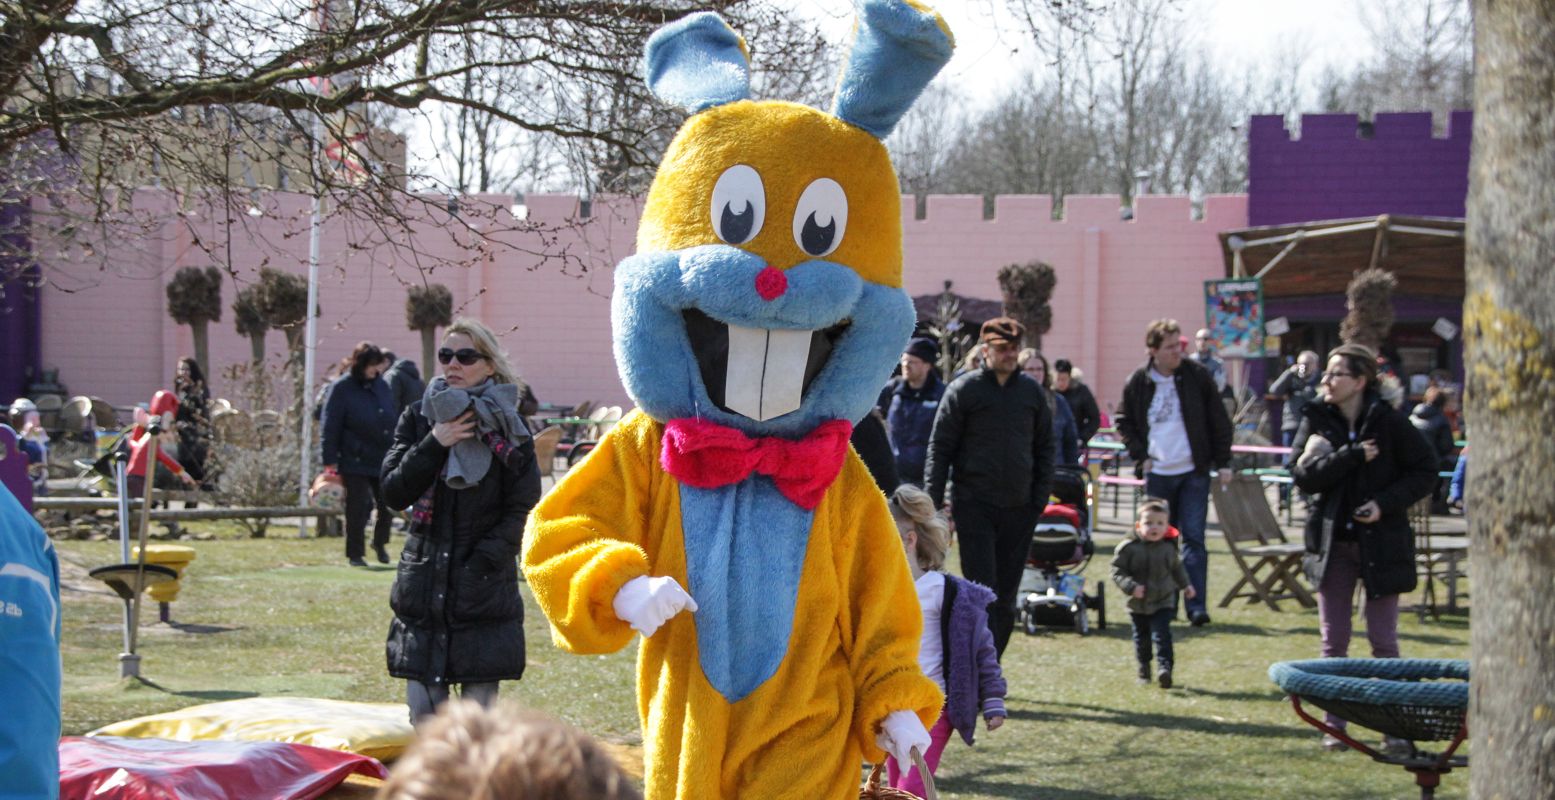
{"type": "Point", "coordinates": [1176, 430]}
{"type": "Point", "coordinates": [993, 438]}
{"type": "Point", "coordinates": [908, 404]}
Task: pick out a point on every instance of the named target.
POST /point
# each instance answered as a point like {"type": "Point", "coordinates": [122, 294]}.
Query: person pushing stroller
{"type": "Point", "coordinates": [1150, 572]}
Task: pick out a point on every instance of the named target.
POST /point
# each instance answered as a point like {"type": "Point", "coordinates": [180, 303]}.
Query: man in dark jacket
{"type": "Point", "coordinates": [1176, 429]}
{"type": "Point", "coordinates": [1294, 389]}
{"type": "Point", "coordinates": [908, 404]}
{"type": "Point", "coordinates": [404, 382]}
{"type": "Point", "coordinates": [993, 436]}
{"type": "Point", "coordinates": [1087, 415]}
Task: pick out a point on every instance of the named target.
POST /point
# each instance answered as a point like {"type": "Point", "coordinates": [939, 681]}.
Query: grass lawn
{"type": "Point", "coordinates": [286, 616]}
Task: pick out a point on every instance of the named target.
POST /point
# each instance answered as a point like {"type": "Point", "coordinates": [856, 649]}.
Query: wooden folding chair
{"type": "Point", "coordinates": [1271, 566]}
{"type": "Point", "coordinates": [545, 450]}
{"type": "Point", "coordinates": [1438, 558]}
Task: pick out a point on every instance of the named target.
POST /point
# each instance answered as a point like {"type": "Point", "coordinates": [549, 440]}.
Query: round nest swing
{"type": "Point", "coordinates": [1420, 699]}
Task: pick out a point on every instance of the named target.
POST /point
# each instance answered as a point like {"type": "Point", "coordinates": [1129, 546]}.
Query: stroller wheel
{"type": "Point", "coordinates": [1101, 607]}
{"type": "Point", "coordinates": [1082, 622]}
{"type": "Point", "coordinates": [1028, 620]}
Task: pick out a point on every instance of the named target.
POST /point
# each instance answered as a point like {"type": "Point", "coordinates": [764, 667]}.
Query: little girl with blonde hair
{"type": "Point", "coordinates": [957, 649]}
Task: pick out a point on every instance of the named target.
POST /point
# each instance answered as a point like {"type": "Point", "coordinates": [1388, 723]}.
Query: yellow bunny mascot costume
{"type": "Point", "coordinates": [727, 520]}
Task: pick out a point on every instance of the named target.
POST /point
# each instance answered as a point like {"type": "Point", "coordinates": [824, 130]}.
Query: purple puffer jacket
{"type": "Point", "coordinates": [973, 682]}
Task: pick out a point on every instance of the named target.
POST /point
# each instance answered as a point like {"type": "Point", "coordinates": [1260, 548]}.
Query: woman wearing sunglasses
{"type": "Point", "coordinates": [1366, 465]}
{"type": "Point", "coordinates": [464, 464]}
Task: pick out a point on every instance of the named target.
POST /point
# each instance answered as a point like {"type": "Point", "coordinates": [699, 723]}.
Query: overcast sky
{"type": "Point", "coordinates": [990, 47]}
{"type": "Point", "coordinates": [1241, 33]}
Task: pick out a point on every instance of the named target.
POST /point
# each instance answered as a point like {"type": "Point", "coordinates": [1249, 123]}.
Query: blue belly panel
{"type": "Point", "coordinates": [745, 550]}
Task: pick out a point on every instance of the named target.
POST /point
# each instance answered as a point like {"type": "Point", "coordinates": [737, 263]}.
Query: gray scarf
{"type": "Point", "coordinates": [496, 413]}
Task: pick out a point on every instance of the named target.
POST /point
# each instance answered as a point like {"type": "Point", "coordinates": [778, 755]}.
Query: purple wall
{"type": "Point", "coordinates": [1333, 172]}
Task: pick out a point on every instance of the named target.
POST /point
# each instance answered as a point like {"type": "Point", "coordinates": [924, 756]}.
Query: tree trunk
{"type": "Point", "coordinates": [256, 345]}
{"type": "Point", "coordinates": [1509, 324]}
{"type": "Point", "coordinates": [428, 352]}
{"type": "Point", "coordinates": [200, 328]}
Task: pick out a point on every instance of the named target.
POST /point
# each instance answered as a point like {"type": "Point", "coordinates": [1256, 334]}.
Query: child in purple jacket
{"type": "Point", "coordinates": [957, 648]}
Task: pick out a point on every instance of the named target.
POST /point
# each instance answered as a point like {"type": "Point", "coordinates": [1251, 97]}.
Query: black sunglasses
{"type": "Point", "coordinates": [466, 355]}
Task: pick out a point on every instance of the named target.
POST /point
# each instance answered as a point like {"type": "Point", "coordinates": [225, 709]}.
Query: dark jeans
{"type": "Point", "coordinates": [362, 496]}
{"type": "Point", "coordinates": [1188, 495]}
{"type": "Point", "coordinates": [425, 698]}
{"type": "Point", "coordinates": [994, 545]}
{"type": "Point", "coordinates": [1155, 628]}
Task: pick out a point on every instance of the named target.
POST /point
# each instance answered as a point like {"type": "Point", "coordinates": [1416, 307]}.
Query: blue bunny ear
{"type": "Point", "coordinates": [698, 62]}
{"type": "Point", "coordinates": [898, 47]}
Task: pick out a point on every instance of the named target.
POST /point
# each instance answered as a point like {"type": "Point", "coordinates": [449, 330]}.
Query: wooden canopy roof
{"type": "Point", "coordinates": [1317, 258]}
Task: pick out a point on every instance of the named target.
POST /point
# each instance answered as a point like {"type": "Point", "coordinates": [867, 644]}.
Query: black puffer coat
{"type": "Point", "coordinates": [1403, 472]}
{"type": "Point", "coordinates": [458, 617]}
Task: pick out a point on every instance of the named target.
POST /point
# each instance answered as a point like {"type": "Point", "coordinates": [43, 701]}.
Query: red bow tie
{"type": "Point", "coordinates": [708, 455]}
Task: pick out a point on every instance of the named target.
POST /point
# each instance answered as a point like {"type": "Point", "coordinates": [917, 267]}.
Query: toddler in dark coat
{"type": "Point", "coordinates": [1150, 572]}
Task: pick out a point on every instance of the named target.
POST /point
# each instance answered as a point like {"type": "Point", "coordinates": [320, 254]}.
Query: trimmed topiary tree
{"type": "Point", "coordinates": [194, 299]}
{"type": "Point", "coordinates": [428, 308]}
{"type": "Point", "coordinates": [1370, 308]}
{"type": "Point", "coordinates": [248, 317]}
{"type": "Point", "coordinates": [1027, 288]}
{"type": "Point", "coordinates": [284, 305]}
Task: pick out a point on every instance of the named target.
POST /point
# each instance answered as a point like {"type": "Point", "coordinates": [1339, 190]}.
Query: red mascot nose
{"type": "Point", "coordinates": [771, 283]}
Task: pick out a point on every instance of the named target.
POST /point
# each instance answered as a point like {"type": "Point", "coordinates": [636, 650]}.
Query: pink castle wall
{"type": "Point", "coordinates": [106, 329]}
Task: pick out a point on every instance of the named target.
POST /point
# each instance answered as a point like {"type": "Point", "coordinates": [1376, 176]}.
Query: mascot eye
{"type": "Point", "coordinates": [739, 204]}
{"type": "Point", "coordinates": [821, 217]}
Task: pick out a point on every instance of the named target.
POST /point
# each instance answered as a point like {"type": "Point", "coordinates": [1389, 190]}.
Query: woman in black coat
{"type": "Point", "coordinates": [1367, 465]}
{"type": "Point", "coordinates": [359, 416]}
{"type": "Point", "coordinates": [464, 463]}
{"type": "Point", "coordinates": [193, 421]}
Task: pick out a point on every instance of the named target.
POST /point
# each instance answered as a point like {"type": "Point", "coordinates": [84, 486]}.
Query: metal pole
{"type": "Point", "coordinates": [129, 663]}
{"type": "Point", "coordinates": [305, 448]}
{"type": "Point", "coordinates": [153, 431]}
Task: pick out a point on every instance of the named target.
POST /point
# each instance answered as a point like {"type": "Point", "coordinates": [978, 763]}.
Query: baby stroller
{"type": "Point", "coordinates": [1052, 590]}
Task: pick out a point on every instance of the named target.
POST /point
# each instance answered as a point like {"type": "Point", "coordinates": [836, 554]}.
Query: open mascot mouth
{"type": "Point", "coordinates": [759, 373]}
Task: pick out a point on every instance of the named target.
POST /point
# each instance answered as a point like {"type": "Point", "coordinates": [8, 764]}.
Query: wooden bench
{"type": "Point", "coordinates": [95, 504]}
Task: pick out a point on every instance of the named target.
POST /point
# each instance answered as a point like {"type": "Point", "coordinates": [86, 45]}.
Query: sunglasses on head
{"type": "Point", "coordinates": [466, 355]}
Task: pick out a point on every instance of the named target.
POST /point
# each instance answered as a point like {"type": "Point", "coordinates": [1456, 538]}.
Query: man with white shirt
{"type": "Point", "coordinates": [1176, 429]}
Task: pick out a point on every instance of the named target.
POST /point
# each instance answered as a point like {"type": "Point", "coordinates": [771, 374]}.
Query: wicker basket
{"type": "Point", "coordinates": [873, 790]}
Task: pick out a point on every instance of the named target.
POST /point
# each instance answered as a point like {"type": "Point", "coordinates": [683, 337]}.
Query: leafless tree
{"type": "Point", "coordinates": [220, 101]}
{"type": "Point", "coordinates": [1423, 60]}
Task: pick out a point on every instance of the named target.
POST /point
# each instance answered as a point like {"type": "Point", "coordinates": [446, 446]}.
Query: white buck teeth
{"type": "Point", "coordinates": [765, 378]}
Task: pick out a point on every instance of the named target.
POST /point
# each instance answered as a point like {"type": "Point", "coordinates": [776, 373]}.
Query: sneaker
{"type": "Point", "coordinates": [1164, 677]}
{"type": "Point", "coordinates": [1143, 678]}
{"type": "Point", "coordinates": [1394, 746]}
{"type": "Point", "coordinates": [383, 553]}
{"type": "Point", "coordinates": [357, 562]}
{"type": "Point", "coordinates": [1334, 743]}
{"type": "Point", "coordinates": [1199, 619]}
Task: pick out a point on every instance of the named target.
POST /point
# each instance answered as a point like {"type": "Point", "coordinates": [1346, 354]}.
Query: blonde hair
{"type": "Point", "coordinates": [911, 504]}
{"type": "Point", "coordinates": [487, 345]}
{"type": "Point", "coordinates": [974, 357]}
{"type": "Point", "coordinates": [475, 753]}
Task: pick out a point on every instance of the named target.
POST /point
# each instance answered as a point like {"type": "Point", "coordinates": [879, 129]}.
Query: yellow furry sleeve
{"type": "Point", "coordinates": [882, 622]}
{"type": "Point", "coordinates": [588, 537]}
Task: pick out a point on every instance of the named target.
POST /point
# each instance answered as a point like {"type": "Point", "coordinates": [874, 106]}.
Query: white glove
{"type": "Point", "coordinates": [900, 732]}
{"type": "Point", "coordinates": [646, 603]}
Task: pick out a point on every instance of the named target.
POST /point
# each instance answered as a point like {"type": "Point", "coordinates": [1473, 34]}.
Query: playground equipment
{"type": "Point", "coordinates": [129, 580]}
{"type": "Point", "coordinates": [1419, 700]}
